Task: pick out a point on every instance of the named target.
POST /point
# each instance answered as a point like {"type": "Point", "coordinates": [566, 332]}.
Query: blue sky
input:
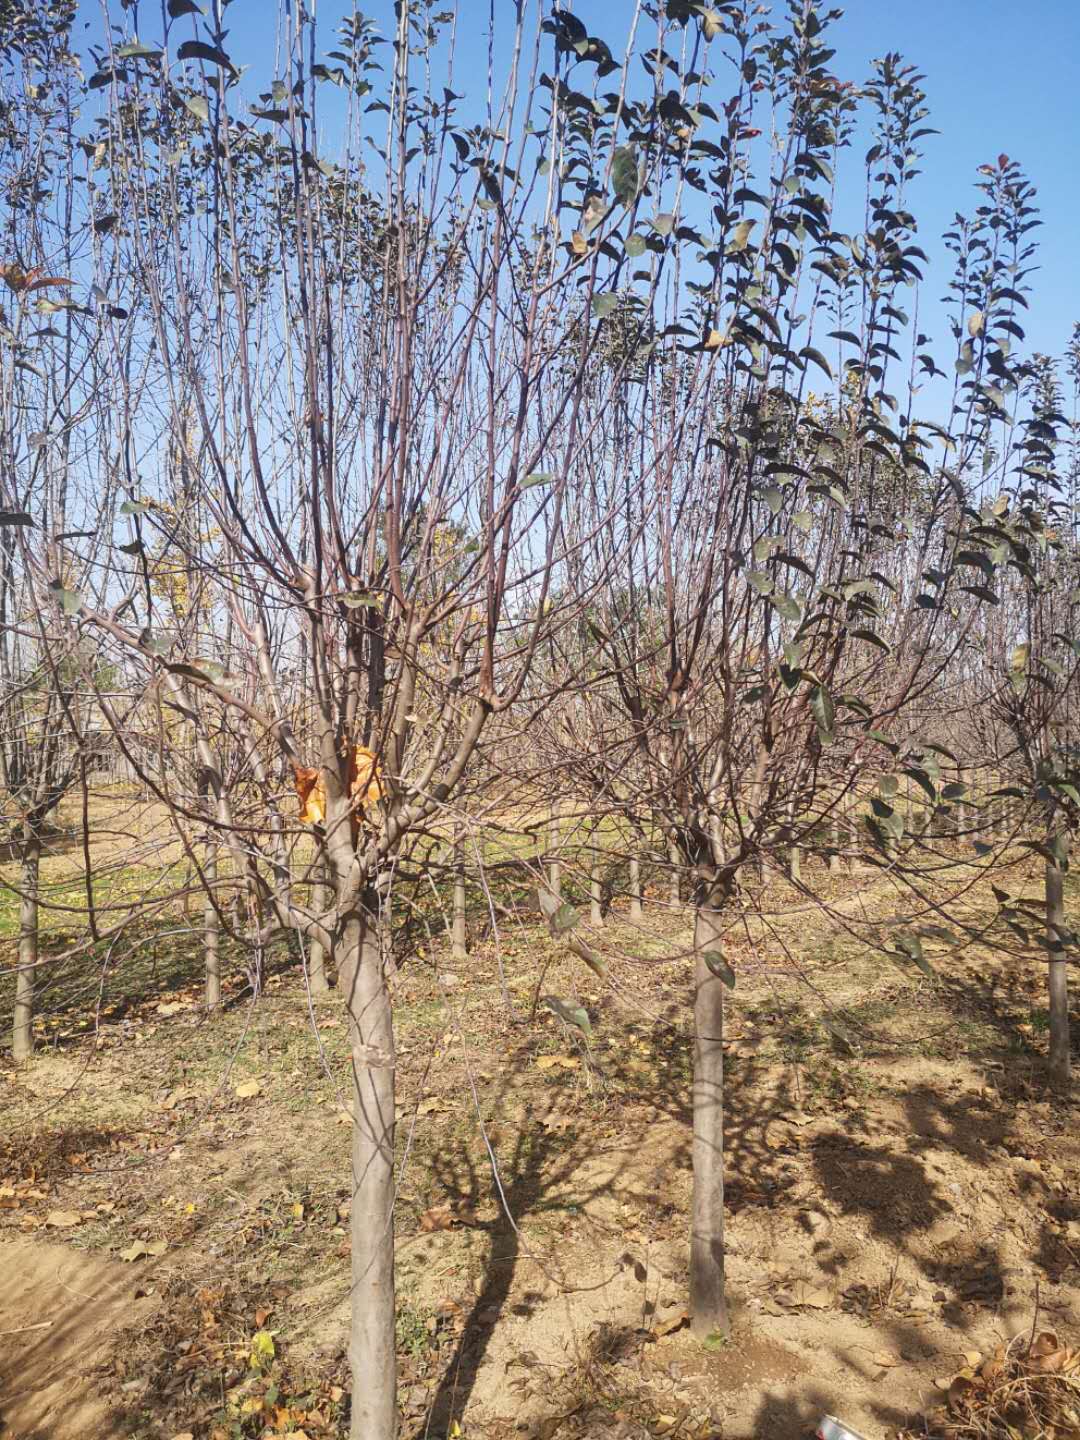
{"type": "Point", "coordinates": [1000, 77]}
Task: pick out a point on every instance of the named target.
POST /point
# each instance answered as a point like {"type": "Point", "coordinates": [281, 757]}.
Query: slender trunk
{"type": "Point", "coordinates": [211, 930]}
{"type": "Point", "coordinates": [708, 1302]}
{"type": "Point", "coordinates": [794, 855]}
{"type": "Point", "coordinates": [459, 937]}
{"type": "Point", "coordinates": [316, 954]}
{"type": "Point", "coordinates": [635, 889]}
{"type": "Point", "coordinates": [364, 984]}
{"type": "Point", "coordinates": [675, 891]}
{"type": "Point", "coordinates": [1059, 984]}
{"type": "Point", "coordinates": [22, 1033]}
{"type": "Point", "coordinates": [554, 844]}
{"type": "Point", "coordinates": [596, 889]}
{"type": "Point", "coordinates": [834, 850]}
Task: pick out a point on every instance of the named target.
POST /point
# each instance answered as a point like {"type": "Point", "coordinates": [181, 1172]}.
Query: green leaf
{"type": "Point", "coordinates": [809, 353]}
{"type": "Point", "coordinates": [135, 51]}
{"type": "Point", "coordinates": [603, 304]}
{"type": "Point", "coordinates": [740, 236]}
{"type": "Point", "coordinates": [718, 966]}
{"type": "Point", "coordinates": [823, 711]}
{"type": "Point", "coordinates": [569, 1013]}
{"type": "Point", "coordinates": [134, 507]}
{"type": "Point", "coordinates": [70, 601]}
{"type": "Point", "coordinates": [803, 520]}
{"type": "Point", "coordinates": [199, 50]}
{"type": "Point", "coordinates": [774, 498]}
{"type": "Point", "coordinates": [199, 107]}
{"type": "Point", "coordinates": [624, 174]}
{"type": "Point", "coordinates": [786, 606]}
{"type": "Point", "coordinates": [910, 948]}
{"type": "Point", "coordinates": [873, 639]}
{"type": "Point", "coordinates": [663, 224]}
{"type": "Point", "coordinates": [560, 914]}
{"type": "Point", "coordinates": [538, 477]}
{"type": "Point", "coordinates": [635, 246]}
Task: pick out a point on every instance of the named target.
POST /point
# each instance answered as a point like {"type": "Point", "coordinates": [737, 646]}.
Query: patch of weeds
{"type": "Point", "coordinates": [414, 1328]}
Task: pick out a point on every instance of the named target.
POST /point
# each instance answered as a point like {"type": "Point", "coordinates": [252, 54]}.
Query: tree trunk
{"type": "Point", "coordinates": [675, 891]}
{"type": "Point", "coordinates": [22, 1032]}
{"type": "Point", "coordinates": [635, 889]}
{"type": "Point", "coordinates": [211, 930]}
{"type": "Point", "coordinates": [834, 851]}
{"type": "Point", "coordinates": [316, 954]}
{"type": "Point", "coordinates": [596, 890]}
{"type": "Point", "coordinates": [708, 1301]}
{"type": "Point", "coordinates": [459, 937]}
{"type": "Point", "coordinates": [364, 984]}
{"type": "Point", "coordinates": [554, 843]}
{"type": "Point", "coordinates": [1059, 984]}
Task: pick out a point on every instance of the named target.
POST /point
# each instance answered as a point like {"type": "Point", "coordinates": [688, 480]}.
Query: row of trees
{"type": "Point", "coordinates": [554, 444]}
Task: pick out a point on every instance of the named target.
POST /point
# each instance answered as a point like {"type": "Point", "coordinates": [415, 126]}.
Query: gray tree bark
{"type": "Point", "coordinates": [211, 930]}
{"type": "Point", "coordinates": [459, 935]}
{"type": "Point", "coordinates": [635, 889]}
{"type": "Point", "coordinates": [364, 985]}
{"type": "Point", "coordinates": [1060, 1061]}
{"type": "Point", "coordinates": [708, 1299]}
{"type": "Point", "coordinates": [316, 954]}
{"type": "Point", "coordinates": [22, 1031]}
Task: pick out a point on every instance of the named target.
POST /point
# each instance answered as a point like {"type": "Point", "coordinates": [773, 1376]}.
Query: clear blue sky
{"type": "Point", "coordinates": [1000, 77]}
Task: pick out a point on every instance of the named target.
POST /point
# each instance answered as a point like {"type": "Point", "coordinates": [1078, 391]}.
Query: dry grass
{"type": "Point", "coordinates": [1028, 1389]}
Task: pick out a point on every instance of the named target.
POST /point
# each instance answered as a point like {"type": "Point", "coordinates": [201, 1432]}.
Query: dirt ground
{"type": "Point", "coordinates": [902, 1192]}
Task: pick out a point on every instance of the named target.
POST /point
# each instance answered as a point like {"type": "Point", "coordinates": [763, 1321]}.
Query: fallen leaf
{"type": "Point", "coordinates": [184, 1435]}
{"type": "Point", "coordinates": [886, 1358]}
{"type": "Point", "coordinates": [170, 1007]}
{"type": "Point", "coordinates": [672, 1323]}
{"type": "Point", "coordinates": [135, 1251]}
{"type": "Point", "coordinates": [561, 1062]}
{"type": "Point", "coordinates": [157, 1247]}
{"type": "Point", "coordinates": [61, 1219]}
{"type": "Point", "coordinates": [432, 1106]}
{"type": "Point", "coordinates": [973, 1358]}
{"type": "Point", "coordinates": [247, 1089]}
{"type": "Point", "coordinates": [439, 1217]}
{"type": "Point", "coordinates": [943, 1383]}
{"type": "Point", "coordinates": [800, 1293]}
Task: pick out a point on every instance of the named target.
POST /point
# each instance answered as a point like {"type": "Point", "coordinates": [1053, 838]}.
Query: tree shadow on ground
{"type": "Point", "coordinates": [551, 1170]}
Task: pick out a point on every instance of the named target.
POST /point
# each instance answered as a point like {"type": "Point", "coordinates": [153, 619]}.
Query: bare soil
{"type": "Point", "coordinates": [902, 1191]}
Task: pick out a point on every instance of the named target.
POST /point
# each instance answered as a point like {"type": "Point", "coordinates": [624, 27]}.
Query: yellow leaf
{"type": "Point", "coordinates": [61, 1219]}
{"type": "Point", "coordinates": [298, 1211]}
{"type": "Point", "coordinates": [262, 1349]}
{"type": "Point", "coordinates": [135, 1251]}
{"type": "Point", "coordinates": [247, 1089]}
{"type": "Point", "coordinates": [714, 340]}
{"type": "Point", "coordinates": [578, 244]}
{"type": "Point", "coordinates": [886, 1358]}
